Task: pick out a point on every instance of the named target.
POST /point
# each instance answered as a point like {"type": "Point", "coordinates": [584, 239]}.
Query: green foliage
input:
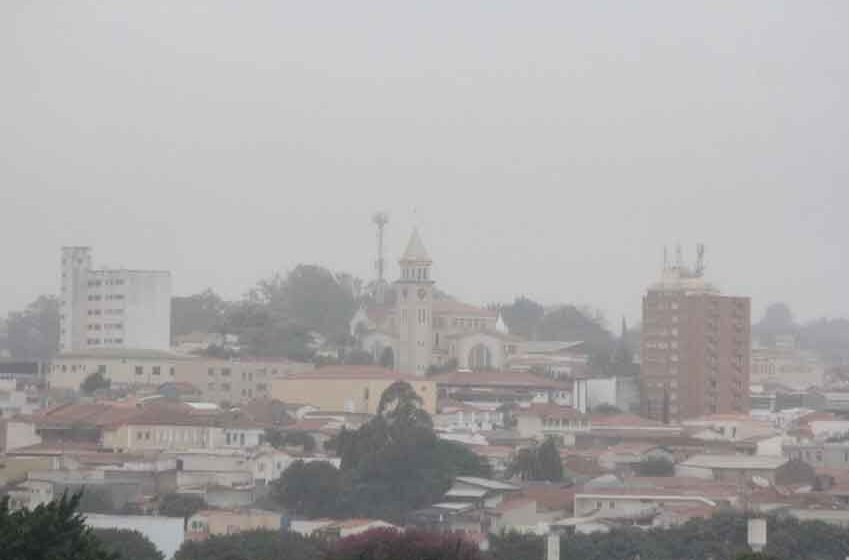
{"type": "Point", "coordinates": [522, 317]}
{"type": "Point", "coordinates": [279, 439]}
{"type": "Point", "coordinates": [95, 382]}
{"type": "Point", "coordinates": [537, 463]}
{"type": "Point", "coordinates": [203, 312]}
{"type": "Point", "coordinates": [51, 531]}
{"type": "Point", "coordinates": [312, 489]}
{"type": "Point", "coordinates": [567, 322]}
{"type": "Point", "coordinates": [180, 505]}
{"type": "Point", "coordinates": [605, 408]}
{"type": "Point", "coordinates": [462, 460]}
{"type": "Point", "coordinates": [516, 546]}
{"type": "Point", "coordinates": [127, 544]}
{"type": "Point", "coordinates": [392, 464]}
{"type": "Point", "coordinates": [33, 334]}
{"type": "Point", "coordinates": [95, 500]}
{"type": "Point", "coordinates": [528, 319]}
{"type": "Point", "coordinates": [655, 466]}
{"type": "Point", "coordinates": [253, 545]}
{"type": "Point", "coordinates": [722, 537]}
{"type": "Point", "coordinates": [388, 544]}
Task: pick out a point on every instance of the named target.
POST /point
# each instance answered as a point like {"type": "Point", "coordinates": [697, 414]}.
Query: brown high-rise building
{"type": "Point", "coordinates": [695, 348]}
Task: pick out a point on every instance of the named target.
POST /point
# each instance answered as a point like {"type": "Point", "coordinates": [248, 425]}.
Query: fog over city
{"type": "Point", "coordinates": [548, 149]}
{"type": "Point", "coordinates": [381, 280]}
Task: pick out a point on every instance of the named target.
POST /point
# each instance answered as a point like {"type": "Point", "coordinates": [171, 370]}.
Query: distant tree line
{"type": "Point", "coordinates": [722, 537]}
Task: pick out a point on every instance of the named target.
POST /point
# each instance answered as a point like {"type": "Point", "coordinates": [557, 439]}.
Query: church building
{"type": "Point", "coordinates": [424, 330]}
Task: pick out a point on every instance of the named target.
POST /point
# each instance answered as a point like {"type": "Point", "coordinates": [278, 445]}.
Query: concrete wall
{"type": "Point", "coordinates": [350, 395]}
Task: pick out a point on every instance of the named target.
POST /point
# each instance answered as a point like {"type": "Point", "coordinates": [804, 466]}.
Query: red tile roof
{"type": "Point", "coordinates": [499, 379]}
{"type": "Point", "coordinates": [454, 307]}
{"type": "Point", "coordinates": [551, 411]}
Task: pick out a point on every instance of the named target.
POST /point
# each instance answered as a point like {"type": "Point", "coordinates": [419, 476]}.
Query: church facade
{"type": "Point", "coordinates": [422, 331]}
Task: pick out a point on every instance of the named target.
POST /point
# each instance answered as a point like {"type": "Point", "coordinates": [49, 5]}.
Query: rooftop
{"type": "Point", "coordinates": [551, 411]}
{"type": "Point", "coordinates": [352, 372]}
{"type": "Point", "coordinates": [499, 379]}
{"type": "Point", "coordinates": [735, 462]}
{"type": "Point", "coordinates": [122, 353]}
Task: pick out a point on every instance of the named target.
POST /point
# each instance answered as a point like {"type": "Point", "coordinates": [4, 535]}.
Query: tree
{"type": "Point", "coordinates": [390, 465]}
{"type": "Point", "coordinates": [516, 546]}
{"type": "Point", "coordinates": [33, 334]}
{"type": "Point", "coordinates": [95, 500]}
{"type": "Point", "coordinates": [606, 409]}
{"type": "Point", "coordinates": [51, 531]}
{"type": "Point", "coordinates": [537, 463]}
{"type": "Point", "coordinates": [522, 317]}
{"type": "Point", "coordinates": [550, 464]}
{"type": "Point", "coordinates": [252, 545]}
{"type": "Point", "coordinates": [127, 544]}
{"type": "Point", "coordinates": [389, 544]}
{"type": "Point", "coordinates": [279, 439]}
{"type": "Point", "coordinates": [310, 489]}
{"type": "Point", "coordinates": [567, 322]}
{"type": "Point", "coordinates": [95, 382]}
{"type": "Point", "coordinates": [655, 466]}
{"type": "Point", "coordinates": [180, 505]}
{"type": "Point", "coordinates": [202, 312]}
{"type": "Point", "coordinates": [462, 460]}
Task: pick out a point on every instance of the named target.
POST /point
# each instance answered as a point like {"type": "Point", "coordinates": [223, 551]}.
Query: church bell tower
{"type": "Point", "coordinates": [415, 309]}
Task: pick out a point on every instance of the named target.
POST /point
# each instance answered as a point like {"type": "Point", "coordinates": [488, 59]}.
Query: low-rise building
{"type": "Point", "coordinates": [540, 421]}
{"type": "Point", "coordinates": [738, 469]}
{"type": "Point", "coordinates": [349, 388]}
{"type": "Point", "coordinates": [208, 522]}
{"type": "Point", "coordinates": [121, 366]}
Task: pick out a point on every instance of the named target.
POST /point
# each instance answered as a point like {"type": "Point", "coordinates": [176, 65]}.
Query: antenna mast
{"type": "Point", "coordinates": [380, 219]}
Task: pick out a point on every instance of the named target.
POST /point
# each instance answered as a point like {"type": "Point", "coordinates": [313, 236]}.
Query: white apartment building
{"type": "Point", "coordinates": [112, 308]}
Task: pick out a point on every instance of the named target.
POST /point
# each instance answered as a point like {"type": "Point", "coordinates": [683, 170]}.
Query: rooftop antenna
{"type": "Point", "coordinates": [700, 259]}
{"type": "Point", "coordinates": [665, 258]}
{"type": "Point", "coordinates": [679, 257]}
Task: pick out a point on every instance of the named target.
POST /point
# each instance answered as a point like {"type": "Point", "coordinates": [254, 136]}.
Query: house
{"type": "Point", "coordinates": [349, 527]}
{"type": "Point", "coordinates": [608, 429]}
{"type": "Point", "coordinates": [640, 501]}
{"type": "Point", "coordinates": [625, 456]}
{"type": "Point", "coordinates": [453, 415]}
{"type": "Point", "coordinates": [30, 494]}
{"type": "Point", "coordinates": [820, 454]}
{"type": "Point", "coordinates": [268, 463]}
{"type": "Point", "coordinates": [205, 523]}
{"type": "Point", "coordinates": [540, 421]}
{"type": "Point", "coordinates": [495, 388]}
{"type": "Point", "coordinates": [737, 469]}
{"type": "Point", "coordinates": [728, 427]}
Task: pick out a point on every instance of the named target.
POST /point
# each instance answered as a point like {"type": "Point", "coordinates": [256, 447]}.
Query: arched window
{"type": "Point", "coordinates": [480, 358]}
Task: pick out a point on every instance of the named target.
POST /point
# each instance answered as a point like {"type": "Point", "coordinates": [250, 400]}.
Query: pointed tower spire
{"type": "Point", "coordinates": [500, 325]}
{"type": "Point", "coordinates": [415, 249]}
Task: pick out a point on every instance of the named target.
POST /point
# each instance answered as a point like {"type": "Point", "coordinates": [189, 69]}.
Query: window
{"type": "Point", "coordinates": [156, 370]}
{"type": "Point", "coordinates": [210, 372]}
{"type": "Point", "coordinates": [139, 370]}
{"type": "Point", "coordinates": [225, 372]}
{"type": "Point", "coordinates": [225, 386]}
{"type": "Point", "coordinates": [171, 371]}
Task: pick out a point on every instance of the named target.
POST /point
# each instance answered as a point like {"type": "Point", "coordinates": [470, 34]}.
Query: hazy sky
{"type": "Point", "coordinates": [544, 148]}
